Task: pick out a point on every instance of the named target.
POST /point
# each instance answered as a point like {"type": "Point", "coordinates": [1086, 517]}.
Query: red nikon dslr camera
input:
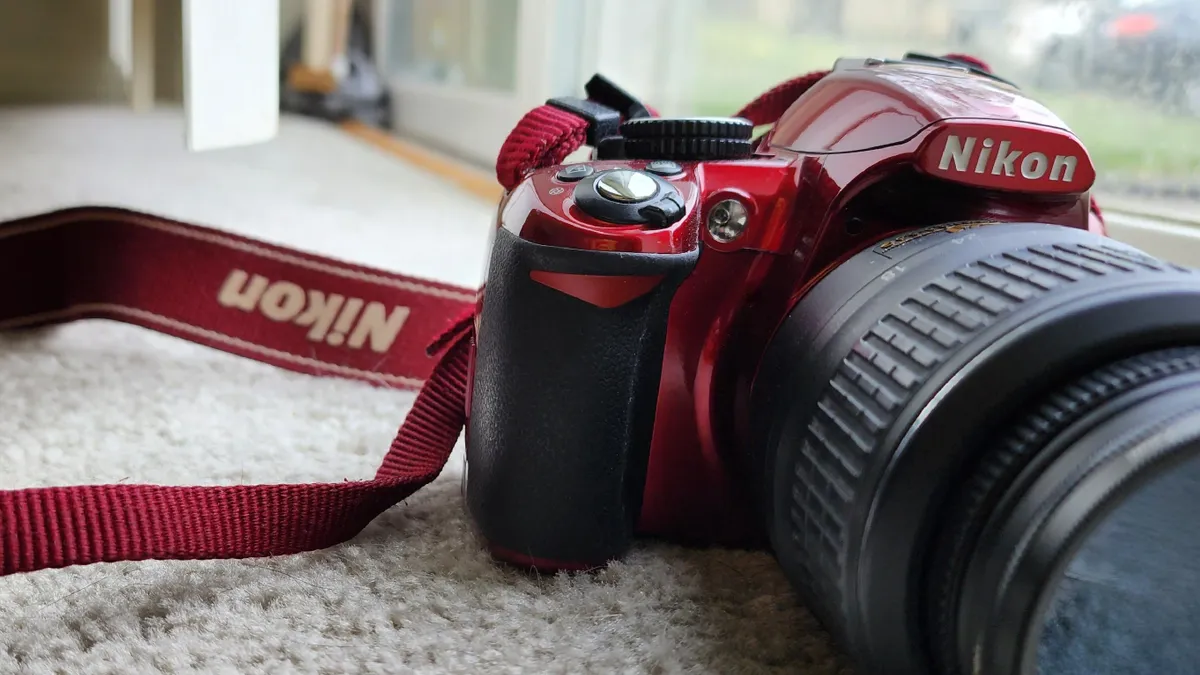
{"type": "Point", "coordinates": [887, 339]}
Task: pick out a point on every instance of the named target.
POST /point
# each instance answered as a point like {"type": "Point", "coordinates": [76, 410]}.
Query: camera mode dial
{"type": "Point", "coordinates": [688, 138]}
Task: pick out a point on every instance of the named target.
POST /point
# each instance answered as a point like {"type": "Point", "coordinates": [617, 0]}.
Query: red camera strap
{"type": "Point", "coordinates": [288, 308]}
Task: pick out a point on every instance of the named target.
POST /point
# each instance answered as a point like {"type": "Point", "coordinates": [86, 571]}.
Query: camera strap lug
{"type": "Point", "coordinates": [605, 91]}
{"type": "Point", "coordinates": [605, 108]}
{"type": "Point", "coordinates": [603, 122]}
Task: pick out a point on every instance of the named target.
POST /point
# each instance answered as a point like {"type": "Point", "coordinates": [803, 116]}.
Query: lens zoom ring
{"type": "Point", "coordinates": [882, 372]}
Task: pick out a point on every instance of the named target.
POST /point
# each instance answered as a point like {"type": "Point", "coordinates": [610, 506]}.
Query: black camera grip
{"type": "Point", "coordinates": [563, 402]}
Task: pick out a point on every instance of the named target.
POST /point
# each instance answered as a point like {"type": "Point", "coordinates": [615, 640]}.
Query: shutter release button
{"type": "Point", "coordinates": [629, 197]}
{"type": "Point", "coordinates": [626, 186]}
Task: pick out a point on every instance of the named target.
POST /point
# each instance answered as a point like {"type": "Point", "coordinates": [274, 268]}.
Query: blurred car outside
{"type": "Point", "coordinates": [1144, 49]}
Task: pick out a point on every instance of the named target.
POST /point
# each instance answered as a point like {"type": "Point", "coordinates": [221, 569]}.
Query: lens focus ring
{"type": "Point", "coordinates": [882, 373]}
{"type": "Point", "coordinates": [889, 344]}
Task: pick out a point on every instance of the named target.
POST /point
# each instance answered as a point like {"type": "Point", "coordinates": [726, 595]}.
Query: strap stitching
{"type": "Point", "coordinates": [87, 308]}
{"type": "Point", "coordinates": [227, 242]}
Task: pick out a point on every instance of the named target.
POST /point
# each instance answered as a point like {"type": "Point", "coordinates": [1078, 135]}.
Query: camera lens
{"type": "Point", "coordinates": [1129, 600]}
{"type": "Point", "coordinates": [974, 445]}
{"type": "Point", "coordinates": [1085, 559]}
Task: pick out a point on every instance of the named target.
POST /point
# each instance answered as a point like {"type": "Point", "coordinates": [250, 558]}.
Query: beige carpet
{"type": "Point", "coordinates": [100, 402]}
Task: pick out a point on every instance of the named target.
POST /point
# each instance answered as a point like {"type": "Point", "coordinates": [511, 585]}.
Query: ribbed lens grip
{"type": "Point", "coordinates": [826, 465]}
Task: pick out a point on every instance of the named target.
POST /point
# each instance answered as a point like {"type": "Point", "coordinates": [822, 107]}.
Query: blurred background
{"type": "Point", "coordinates": [454, 75]}
{"type": "Point", "coordinates": [1123, 73]}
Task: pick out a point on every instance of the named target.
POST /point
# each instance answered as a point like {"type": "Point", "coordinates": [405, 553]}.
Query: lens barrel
{"type": "Point", "coordinates": [887, 409]}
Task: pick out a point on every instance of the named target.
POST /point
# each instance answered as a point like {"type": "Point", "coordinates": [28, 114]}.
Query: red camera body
{"type": "Point", "coordinates": [612, 380]}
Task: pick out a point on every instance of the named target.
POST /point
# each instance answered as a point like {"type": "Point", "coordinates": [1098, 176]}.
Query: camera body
{"type": "Point", "coordinates": [629, 300]}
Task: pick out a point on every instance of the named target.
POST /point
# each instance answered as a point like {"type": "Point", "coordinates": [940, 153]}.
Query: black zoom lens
{"type": "Point", "coordinates": [979, 452]}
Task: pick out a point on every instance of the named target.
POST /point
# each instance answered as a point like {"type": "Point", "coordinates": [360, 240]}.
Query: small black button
{"type": "Point", "coordinates": [663, 212]}
{"type": "Point", "coordinates": [664, 167]}
{"type": "Point", "coordinates": [575, 172]}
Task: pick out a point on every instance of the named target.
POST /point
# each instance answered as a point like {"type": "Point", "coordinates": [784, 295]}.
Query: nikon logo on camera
{"type": "Point", "coordinates": [332, 319]}
{"type": "Point", "coordinates": [972, 154]}
{"type": "Point", "coordinates": [1002, 155]}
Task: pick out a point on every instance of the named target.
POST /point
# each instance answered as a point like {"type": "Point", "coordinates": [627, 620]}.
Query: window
{"type": "Point", "coordinates": [468, 43]}
{"type": "Point", "coordinates": [1124, 74]}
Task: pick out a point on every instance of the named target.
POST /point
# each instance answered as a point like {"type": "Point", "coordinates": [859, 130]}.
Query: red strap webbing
{"type": "Point", "coordinates": [291, 309]}
{"type": "Point", "coordinates": [288, 308]}
{"type": "Point", "coordinates": [543, 137]}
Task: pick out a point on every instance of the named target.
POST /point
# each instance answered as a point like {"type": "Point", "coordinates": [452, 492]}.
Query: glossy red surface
{"type": "Point", "coordinates": [542, 209]}
{"type": "Point", "coordinates": [869, 106]}
{"type": "Point", "coordinates": [854, 160]}
{"type": "Point", "coordinates": [598, 290]}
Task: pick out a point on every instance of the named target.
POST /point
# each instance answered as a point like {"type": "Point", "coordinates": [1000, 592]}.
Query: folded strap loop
{"type": "Point", "coordinates": [543, 137]}
{"type": "Point", "coordinates": [547, 134]}
{"type": "Point", "coordinates": [44, 528]}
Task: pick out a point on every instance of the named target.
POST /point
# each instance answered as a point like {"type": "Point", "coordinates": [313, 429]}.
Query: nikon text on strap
{"type": "Point", "coordinates": [292, 309]}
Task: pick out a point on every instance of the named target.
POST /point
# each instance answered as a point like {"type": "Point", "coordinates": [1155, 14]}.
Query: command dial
{"type": "Point", "coordinates": [688, 138]}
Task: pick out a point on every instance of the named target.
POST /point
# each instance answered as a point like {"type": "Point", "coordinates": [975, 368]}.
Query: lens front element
{"type": "Point", "coordinates": [1129, 601]}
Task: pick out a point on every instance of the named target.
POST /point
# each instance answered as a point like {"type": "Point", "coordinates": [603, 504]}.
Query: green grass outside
{"type": "Point", "coordinates": [740, 60]}
{"type": "Point", "coordinates": [1130, 138]}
